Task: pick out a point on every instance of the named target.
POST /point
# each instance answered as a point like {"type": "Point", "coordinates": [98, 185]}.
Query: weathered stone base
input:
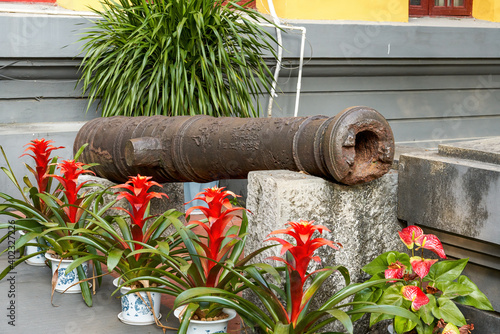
{"type": "Point", "coordinates": [362, 218]}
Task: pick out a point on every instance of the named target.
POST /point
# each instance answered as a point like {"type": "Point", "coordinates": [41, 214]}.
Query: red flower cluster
{"type": "Point", "coordinates": [218, 214]}
{"type": "Point", "coordinates": [41, 149]}
{"type": "Point", "coordinates": [71, 170]}
{"type": "Point", "coordinates": [302, 254]}
{"type": "Point", "coordinates": [138, 196]}
{"type": "Point", "coordinates": [411, 236]}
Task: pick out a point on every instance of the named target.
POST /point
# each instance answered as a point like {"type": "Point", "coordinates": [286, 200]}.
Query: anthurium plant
{"type": "Point", "coordinates": [53, 218]}
{"type": "Point", "coordinates": [130, 248]}
{"type": "Point", "coordinates": [289, 310]}
{"type": "Point", "coordinates": [427, 287]}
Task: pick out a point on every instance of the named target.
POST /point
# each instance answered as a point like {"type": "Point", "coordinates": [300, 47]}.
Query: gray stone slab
{"type": "Point", "coordinates": [362, 218]}
{"type": "Point", "coordinates": [450, 194]}
{"type": "Point", "coordinates": [485, 150]}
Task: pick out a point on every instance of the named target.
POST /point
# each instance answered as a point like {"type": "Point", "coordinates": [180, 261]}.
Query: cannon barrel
{"type": "Point", "coordinates": [355, 146]}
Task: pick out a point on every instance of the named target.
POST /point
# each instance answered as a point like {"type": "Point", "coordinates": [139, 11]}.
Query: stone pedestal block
{"type": "Point", "coordinates": [362, 218]}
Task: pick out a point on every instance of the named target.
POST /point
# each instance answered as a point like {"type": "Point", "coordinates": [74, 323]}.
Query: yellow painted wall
{"type": "Point", "coordinates": [362, 10]}
{"type": "Point", "coordinates": [80, 5]}
{"type": "Point", "coordinates": [488, 10]}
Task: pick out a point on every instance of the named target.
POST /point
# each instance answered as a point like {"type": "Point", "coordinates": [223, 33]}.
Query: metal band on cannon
{"type": "Point", "coordinates": [353, 147]}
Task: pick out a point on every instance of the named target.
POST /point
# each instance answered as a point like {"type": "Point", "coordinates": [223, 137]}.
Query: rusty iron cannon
{"type": "Point", "coordinates": [355, 146]}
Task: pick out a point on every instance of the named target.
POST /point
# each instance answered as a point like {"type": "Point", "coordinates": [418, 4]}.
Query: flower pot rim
{"type": "Point", "coordinates": [49, 257]}
{"type": "Point", "coordinates": [232, 314]}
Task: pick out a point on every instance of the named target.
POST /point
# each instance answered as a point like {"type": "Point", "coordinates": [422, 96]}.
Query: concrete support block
{"type": "Point", "coordinates": [362, 218]}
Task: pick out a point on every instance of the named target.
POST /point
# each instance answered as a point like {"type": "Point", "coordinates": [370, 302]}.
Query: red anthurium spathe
{"type": "Point", "coordinates": [41, 149]}
{"type": "Point", "coordinates": [421, 266]}
{"type": "Point", "coordinates": [138, 196]}
{"type": "Point", "coordinates": [409, 234]}
{"type": "Point", "coordinates": [302, 254]}
{"type": "Point", "coordinates": [415, 295]}
{"type": "Point", "coordinates": [70, 171]}
{"type": "Point", "coordinates": [395, 270]}
{"type": "Point", "coordinates": [432, 243]}
{"type": "Point", "coordinates": [219, 213]}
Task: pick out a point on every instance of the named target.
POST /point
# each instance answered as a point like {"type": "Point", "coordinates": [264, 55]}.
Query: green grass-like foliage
{"type": "Point", "coordinates": [176, 57]}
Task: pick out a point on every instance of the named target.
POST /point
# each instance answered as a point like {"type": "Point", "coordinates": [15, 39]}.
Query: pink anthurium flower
{"type": "Point", "coordinates": [432, 243]}
{"type": "Point", "coordinates": [302, 254]}
{"type": "Point", "coordinates": [410, 234]}
{"type": "Point", "coordinates": [421, 266]}
{"type": "Point", "coordinates": [41, 149]}
{"type": "Point", "coordinates": [395, 270]}
{"type": "Point", "coordinates": [450, 329]}
{"type": "Point", "coordinates": [139, 196]}
{"type": "Point", "coordinates": [415, 295]}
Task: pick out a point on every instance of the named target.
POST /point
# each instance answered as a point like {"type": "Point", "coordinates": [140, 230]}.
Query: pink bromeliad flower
{"type": "Point", "coordinates": [70, 171]}
{"type": "Point", "coordinates": [302, 254]}
{"type": "Point", "coordinates": [219, 213]}
{"type": "Point", "coordinates": [415, 295]}
{"type": "Point", "coordinates": [138, 195]}
{"type": "Point", "coordinates": [421, 266]}
{"type": "Point", "coordinates": [41, 150]}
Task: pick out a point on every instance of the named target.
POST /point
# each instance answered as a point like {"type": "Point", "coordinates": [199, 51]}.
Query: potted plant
{"type": "Point", "coordinates": [288, 310]}
{"type": "Point", "coordinates": [427, 287]}
{"type": "Point", "coordinates": [180, 57]}
{"type": "Point", "coordinates": [131, 249]}
{"type": "Point", "coordinates": [55, 219]}
{"type": "Point", "coordinates": [203, 266]}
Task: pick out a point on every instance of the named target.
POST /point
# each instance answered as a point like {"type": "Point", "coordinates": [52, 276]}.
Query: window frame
{"type": "Point", "coordinates": [428, 8]}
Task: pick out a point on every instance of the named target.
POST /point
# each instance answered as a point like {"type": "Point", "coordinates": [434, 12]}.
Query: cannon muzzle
{"type": "Point", "coordinates": [355, 146]}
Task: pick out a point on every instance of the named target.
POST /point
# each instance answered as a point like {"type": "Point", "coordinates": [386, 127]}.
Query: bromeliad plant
{"type": "Point", "coordinates": [289, 309]}
{"type": "Point", "coordinates": [131, 249]}
{"type": "Point", "coordinates": [52, 218]}
{"type": "Point", "coordinates": [428, 287]}
{"type": "Point", "coordinates": [208, 255]}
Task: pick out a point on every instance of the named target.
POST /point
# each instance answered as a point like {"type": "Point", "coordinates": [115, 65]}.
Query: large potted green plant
{"type": "Point", "coordinates": [53, 220]}
{"type": "Point", "coordinates": [180, 57]}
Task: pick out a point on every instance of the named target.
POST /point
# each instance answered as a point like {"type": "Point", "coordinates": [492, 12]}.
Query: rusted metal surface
{"type": "Point", "coordinates": [353, 147]}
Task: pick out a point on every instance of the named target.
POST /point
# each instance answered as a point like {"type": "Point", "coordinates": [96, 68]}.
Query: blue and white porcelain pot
{"type": "Point", "coordinates": [208, 327]}
{"type": "Point", "coordinates": [66, 279]}
{"type": "Point", "coordinates": [38, 260]}
{"type": "Point", "coordinates": [137, 311]}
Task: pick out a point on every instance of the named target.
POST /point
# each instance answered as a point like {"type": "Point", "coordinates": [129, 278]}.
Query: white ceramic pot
{"type": "Point", "coordinates": [38, 260]}
{"type": "Point", "coordinates": [64, 279]}
{"type": "Point", "coordinates": [208, 327]}
{"type": "Point", "coordinates": [134, 310]}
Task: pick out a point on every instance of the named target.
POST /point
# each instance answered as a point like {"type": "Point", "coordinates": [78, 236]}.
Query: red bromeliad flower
{"type": "Point", "coordinates": [71, 170]}
{"type": "Point", "coordinates": [415, 295]}
{"type": "Point", "coordinates": [432, 243]}
{"type": "Point", "coordinates": [410, 234]}
{"type": "Point", "coordinates": [395, 270]}
{"type": "Point", "coordinates": [41, 149]}
{"type": "Point", "coordinates": [138, 196]}
{"type": "Point", "coordinates": [218, 213]}
{"type": "Point", "coordinates": [421, 266]}
{"type": "Point", "coordinates": [302, 254]}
